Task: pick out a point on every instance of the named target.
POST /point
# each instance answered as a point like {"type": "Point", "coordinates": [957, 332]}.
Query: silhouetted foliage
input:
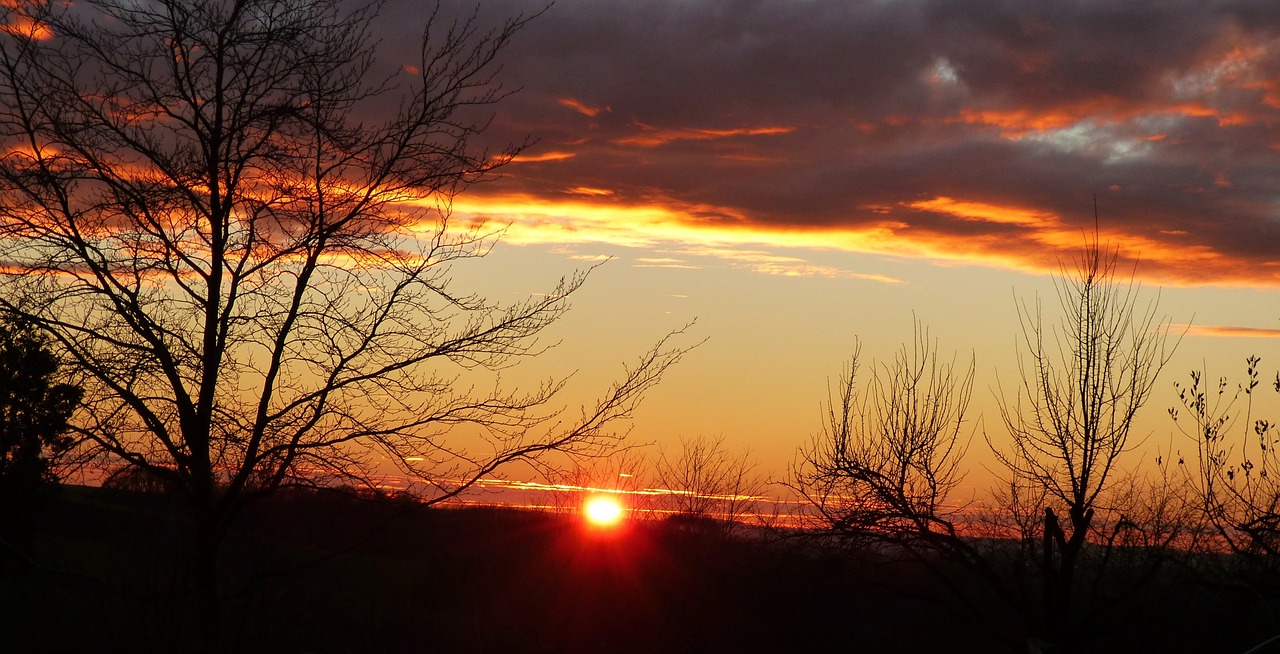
{"type": "Point", "coordinates": [34, 410]}
{"type": "Point", "coordinates": [1236, 474]}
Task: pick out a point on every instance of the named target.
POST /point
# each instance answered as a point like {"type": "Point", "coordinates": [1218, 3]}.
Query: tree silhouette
{"type": "Point", "coordinates": [706, 484]}
{"type": "Point", "coordinates": [883, 472]}
{"type": "Point", "coordinates": [887, 461]}
{"type": "Point", "coordinates": [235, 221]}
{"type": "Point", "coordinates": [1082, 383]}
{"type": "Point", "coordinates": [1236, 480]}
{"type": "Point", "coordinates": [34, 411]}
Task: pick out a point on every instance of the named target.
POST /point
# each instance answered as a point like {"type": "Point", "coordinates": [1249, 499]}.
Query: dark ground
{"type": "Point", "coordinates": [99, 570]}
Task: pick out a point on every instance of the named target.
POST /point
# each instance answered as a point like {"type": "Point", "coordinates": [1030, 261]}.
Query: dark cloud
{"type": "Point", "coordinates": [1169, 112]}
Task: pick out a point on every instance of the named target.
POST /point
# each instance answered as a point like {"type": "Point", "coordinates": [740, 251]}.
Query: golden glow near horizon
{"type": "Point", "coordinates": [789, 217]}
{"type": "Point", "coordinates": [771, 347]}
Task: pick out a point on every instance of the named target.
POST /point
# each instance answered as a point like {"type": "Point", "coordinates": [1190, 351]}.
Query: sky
{"type": "Point", "coordinates": [796, 176]}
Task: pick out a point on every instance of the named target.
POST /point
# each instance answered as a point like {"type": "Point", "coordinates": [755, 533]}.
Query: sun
{"type": "Point", "coordinates": [603, 511]}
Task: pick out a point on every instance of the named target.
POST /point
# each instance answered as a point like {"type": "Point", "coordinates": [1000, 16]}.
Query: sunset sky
{"type": "Point", "coordinates": [794, 175]}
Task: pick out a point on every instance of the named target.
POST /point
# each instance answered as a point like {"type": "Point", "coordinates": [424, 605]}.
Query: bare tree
{"type": "Point", "coordinates": [882, 476]}
{"type": "Point", "coordinates": [1082, 383]}
{"type": "Point", "coordinates": [704, 481]}
{"type": "Point", "coordinates": [885, 466]}
{"type": "Point", "coordinates": [234, 222]}
{"type": "Point", "coordinates": [1237, 474]}
{"type": "Point", "coordinates": [884, 471]}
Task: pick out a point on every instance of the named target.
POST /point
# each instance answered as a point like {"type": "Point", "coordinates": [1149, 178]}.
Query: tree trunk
{"type": "Point", "coordinates": [204, 584]}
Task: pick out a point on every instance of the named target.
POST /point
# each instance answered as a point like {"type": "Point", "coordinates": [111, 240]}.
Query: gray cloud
{"type": "Point", "coordinates": [1169, 112]}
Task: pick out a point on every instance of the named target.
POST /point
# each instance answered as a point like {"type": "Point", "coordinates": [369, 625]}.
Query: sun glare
{"type": "Point", "coordinates": [603, 511]}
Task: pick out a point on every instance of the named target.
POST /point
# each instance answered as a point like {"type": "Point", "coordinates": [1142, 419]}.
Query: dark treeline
{"type": "Point", "coordinates": [328, 572]}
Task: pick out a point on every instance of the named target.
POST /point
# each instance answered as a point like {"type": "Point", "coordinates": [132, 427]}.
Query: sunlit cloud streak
{"type": "Point", "coordinates": [851, 118]}
{"type": "Point", "coordinates": [1228, 331]}
{"type": "Point", "coordinates": [538, 157]}
{"type": "Point", "coordinates": [651, 136]}
{"type": "Point", "coordinates": [663, 262]}
{"type": "Point", "coordinates": [656, 226]}
{"type": "Point", "coordinates": [581, 108]}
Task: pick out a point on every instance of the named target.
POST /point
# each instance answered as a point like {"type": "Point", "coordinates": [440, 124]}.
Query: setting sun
{"type": "Point", "coordinates": [603, 511]}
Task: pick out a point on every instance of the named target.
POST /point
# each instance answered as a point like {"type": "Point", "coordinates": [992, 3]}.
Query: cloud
{"type": "Point", "coordinates": [1226, 331]}
{"type": "Point", "coordinates": [653, 136]}
{"type": "Point", "coordinates": [539, 157]}
{"type": "Point", "coordinates": [666, 227]}
{"type": "Point", "coordinates": [860, 121]}
{"type": "Point", "coordinates": [581, 108]}
{"type": "Point", "coordinates": [663, 262]}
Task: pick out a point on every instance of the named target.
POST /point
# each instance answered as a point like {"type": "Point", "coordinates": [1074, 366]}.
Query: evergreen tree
{"type": "Point", "coordinates": [34, 409]}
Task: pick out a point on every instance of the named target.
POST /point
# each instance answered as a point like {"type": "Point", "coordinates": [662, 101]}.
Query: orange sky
{"type": "Point", "coordinates": [794, 177]}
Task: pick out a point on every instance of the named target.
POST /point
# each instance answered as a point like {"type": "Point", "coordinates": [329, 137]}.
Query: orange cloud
{"type": "Point", "coordinates": [1039, 240]}
{"type": "Point", "coordinates": [543, 156]}
{"type": "Point", "coordinates": [1272, 96]}
{"type": "Point", "coordinates": [581, 108]}
{"type": "Point", "coordinates": [24, 26]}
{"type": "Point", "coordinates": [1192, 94]}
{"type": "Point", "coordinates": [981, 211]}
{"type": "Point", "coordinates": [674, 227]}
{"type": "Point", "coordinates": [655, 136]}
{"type": "Point", "coordinates": [1019, 123]}
{"type": "Point", "coordinates": [1227, 331]}
{"type": "Point", "coordinates": [1015, 123]}
{"type": "Point", "coordinates": [1197, 110]}
{"type": "Point", "coordinates": [26, 151]}
{"type": "Point", "coordinates": [1046, 240]}
{"type": "Point", "coordinates": [587, 190]}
